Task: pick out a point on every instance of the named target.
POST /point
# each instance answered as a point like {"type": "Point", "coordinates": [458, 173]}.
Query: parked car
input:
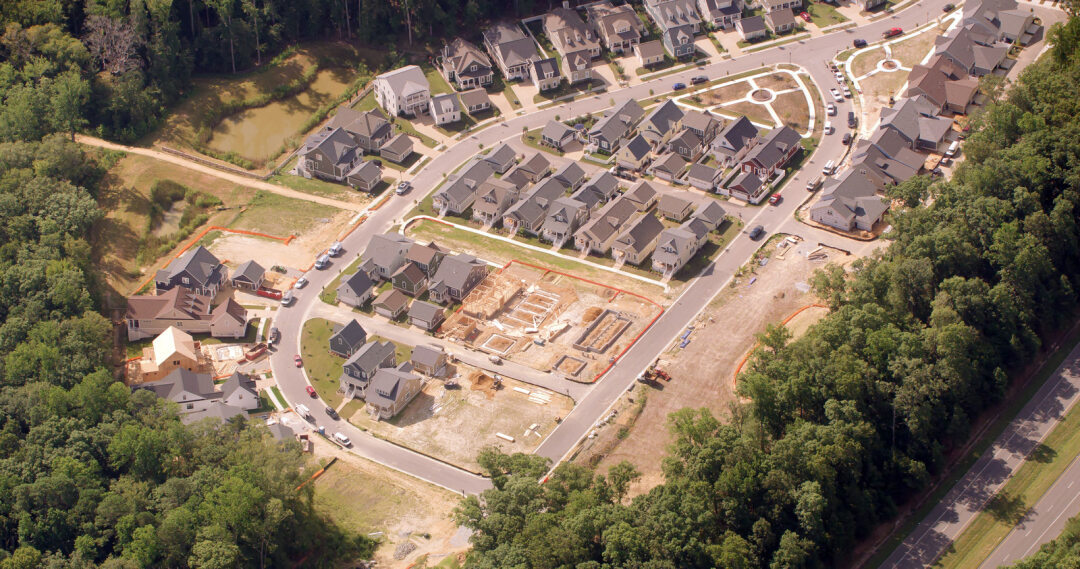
{"type": "Point", "coordinates": [301, 282]}
{"type": "Point", "coordinates": [757, 232]}
{"type": "Point", "coordinates": [275, 335]}
{"type": "Point", "coordinates": [341, 438]}
{"type": "Point", "coordinates": [698, 80]}
{"type": "Point", "coordinates": [403, 188]}
{"type": "Point", "coordinates": [304, 412]}
{"type": "Point", "coordinates": [322, 262]}
{"type": "Point", "coordinates": [859, 43]}
{"type": "Point", "coordinates": [830, 109]}
{"type": "Point", "coordinates": [775, 199]}
{"type": "Point", "coordinates": [893, 32]}
{"type": "Point", "coordinates": [813, 183]}
{"type": "Point", "coordinates": [679, 86]}
{"type": "Point", "coordinates": [333, 414]}
{"type": "Point", "coordinates": [805, 16]}
{"type": "Point", "coordinates": [839, 77]}
{"type": "Point", "coordinates": [311, 392]}
{"type": "Point", "coordinates": [836, 95]}
{"type": "Point", "coordinates": [847, 92]}
{"type": "Point", "coordinates": [948, 7]}
{"type": "Point", "coordinates": [296, 360]}
{"type": "Point", "coordinates": [851, 122]}
{"type": "Point", "coordinates": [828, 127]}
{"type": "Point", "coordinates": [287, 298]}
{"type": "Point", "coordinates": [336, 249]}
{"type": "Point", "coordinates": [847, 138]}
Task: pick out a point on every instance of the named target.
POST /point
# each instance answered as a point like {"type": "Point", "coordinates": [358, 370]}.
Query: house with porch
{"type": "Point", "coordinates": [197, 270]}
{"type": "Point", "coordinates": [618, 27]}
{"type": "Point", "coordinates": [403, 91]}
{"type": "Point", "coordinates": [464, 65]}
{"type": "Point", "coordinates": [597, 235]}
{"type": "Point", "coordinates": [637, 242]}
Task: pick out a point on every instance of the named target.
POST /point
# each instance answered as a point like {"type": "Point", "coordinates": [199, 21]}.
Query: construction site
{"type": "Point", "coordinates": [549, 321]}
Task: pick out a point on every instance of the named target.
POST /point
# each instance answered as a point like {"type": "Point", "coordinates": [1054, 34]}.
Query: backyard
{"type": "Point", "coordinates": [824, 15]}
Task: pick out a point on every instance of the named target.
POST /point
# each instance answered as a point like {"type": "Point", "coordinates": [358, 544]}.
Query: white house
{"type": "Point", "coordinates": [403, 91]}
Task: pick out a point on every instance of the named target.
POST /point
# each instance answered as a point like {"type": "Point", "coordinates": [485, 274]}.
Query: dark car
{"type": "Point", "coordinates": [679, 86]}
{"type": "Point", "coordinates": [948, 7]}
{"type": "Point", "coordinates": [698, 80]}
{"type": "Point", "coordinates": [847, 138]}
{"type": "Point", "coordinates": [333, 414]}
{"type": "Point", "coordinates": [275, 335]}
{"type": "Point", "coordinates": [757, 232]}
{"type": "Point", "coordinates": [851, 119]}
{"type": "Point", "coordinates": [859, 43]}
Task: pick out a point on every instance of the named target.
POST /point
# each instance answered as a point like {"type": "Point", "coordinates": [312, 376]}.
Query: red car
{"type": "Point", "coordinates": [299, 362]}
{"type": "Point", "coordinates": [775, 199]}
{"type": "Point", "coordinates": [805, 16]}
{"type": "Point", "coordinates": [311, 391]}
{"type": "Point", "coordinates": [893, 32]}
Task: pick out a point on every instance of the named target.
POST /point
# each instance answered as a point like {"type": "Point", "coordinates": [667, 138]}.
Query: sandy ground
{"type": "Point", "coordinates": [702, 372]}
{"type": "Point", "coordinates": [371, 499]}
{"type": "Point", "coordinates": [298, 254]}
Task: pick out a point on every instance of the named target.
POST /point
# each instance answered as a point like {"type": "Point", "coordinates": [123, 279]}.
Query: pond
{"type": "Point", "coordinates": [257, 134]}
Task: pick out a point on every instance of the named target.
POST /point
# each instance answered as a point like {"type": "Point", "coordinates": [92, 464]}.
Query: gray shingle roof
{"type": "Point", "coordinates": [250, 272]}
{"type": "Point", "coordinates": [370, 124]}
{"type": "Point", "coordinates": [670, 203]}
{"type": "Point", "coordinates": [454, 270]}
{"type": "Point", "coordinates": [640, 234]}
{"type": "Point", "coordinates": [738, 133]}
{"type": "Point", "coordinates": [570, 174]}
{"type": "Point", "coordinates": [664, 117]}
{"type": "Point", "coordinates": [385, 249]}
{"type": "Point", "coordinates": [445, 103]}
{"type": "Point", "coordinates": [351, 334]}
{"type": "Point", "coordinates": [427, 355]}
{"type": "Point", "coordinates": [400, 144]}
{"type": "Point", "coordinates": [609, 220]}
{"type": "Point", "coordinates": [752, 24]}
{"type": "Point", "coordinates": [406, 81]}
{"type": "Point", "coordinates": [358, 283]}
{"type": "Point", "coordinates": [555, 130]}
{"type": "Point", "coordinates": [474, 97]}
{"type": "Point", "coordinates": [650, 49]}
{"type": "Point", "coordinates": [237, 381]}
{"type": "Point", "coordinates": [385, 386]}
{"type": "Point", "coordinates": [368, 171]}
{"type": "Point", "coordinates": [638, 147]}
{"type": "Point", "coordinates": [182, 386]}
{"type": "Point", "coordinates": [370, 356]}
{"type": "Point", "coordinates": [619, 121]}
{"type": "Point", "coordinates": [424, 311]}
{"type": "Point", "coordinates": [702, 172]}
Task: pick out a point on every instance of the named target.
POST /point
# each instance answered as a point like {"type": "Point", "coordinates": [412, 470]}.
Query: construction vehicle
{"type": "Point", "coordinates": [653, 374]}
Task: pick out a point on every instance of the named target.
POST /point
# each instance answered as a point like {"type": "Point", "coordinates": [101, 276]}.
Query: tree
{"type": "Point", "coordinates": [114, 43]}
{"type": "Point", "coordinates": [68, 102]}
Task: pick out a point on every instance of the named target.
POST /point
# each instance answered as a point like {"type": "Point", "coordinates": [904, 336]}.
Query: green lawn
{"type": "Point", "coordinates": [436, 81]}
{"type": "Point", "coordinates": [366, 103]}
{"type": "Point", "coordinates": [311, 186]}
{"type": "Point", "coordinates": [403, 352]}
{"type": "Point", "coordinates": [323, 368]}
{"type": "Point", "coordinates": [532, 138]}
{"type": "Point", "coordinates": [455, 128]}
{"type": "Point", "coordinates": [564, 89]}
{"type": "Point", "coordinates": [277, 392]}
{"type": "Point", "coordinates": [329, 294]}
{"type": "Point", "coordinates": [502, 85]}
{"type": "Point", "coordinates": [405, 126]}
{"type": "Point", "coordinates": [412, 159]}
{"type": "Point", "coordinates": [668, 63]}
{"type": "Point", "coordinates": [824, 15]}
{"type": "Point", "coordinates": [278, 215]}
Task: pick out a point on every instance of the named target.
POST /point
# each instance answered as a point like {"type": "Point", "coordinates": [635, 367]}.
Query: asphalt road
{"type": "Point", "coordinates": [811, 54]}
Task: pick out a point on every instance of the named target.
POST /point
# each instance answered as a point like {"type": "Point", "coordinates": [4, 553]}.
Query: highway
{"type": "Point", "coordinates": [812, 54]}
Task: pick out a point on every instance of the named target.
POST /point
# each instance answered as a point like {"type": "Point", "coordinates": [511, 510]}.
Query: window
{"type": "Point", "coordinates": [190, 406]}
{"type": "Point", "coordinates": [472, 67]}
{"type": "Point", "coordinates": [184, 280]}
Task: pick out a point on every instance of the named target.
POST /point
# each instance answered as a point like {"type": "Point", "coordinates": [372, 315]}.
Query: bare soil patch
{"type": "Point", "coordinates": [753, 111]}
{"type": "Point", "coordinates": [912, 50]}
{"type": "Point", "coordinates": [725, 93]}
{"type": "Point", "coordinates": [866, 62]}
{"type": "Point", "coordinates": [776, 82]}
{"type": "Point", "coordinates": [793, 110]}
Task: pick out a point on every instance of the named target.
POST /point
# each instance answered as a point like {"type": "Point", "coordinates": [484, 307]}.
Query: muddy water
{"type": "Point", "coordinates": [257, 134]}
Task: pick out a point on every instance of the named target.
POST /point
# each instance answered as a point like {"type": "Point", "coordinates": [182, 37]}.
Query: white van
{"type": "Point", "coordinates": [952, 149]}
{"type": "Point", "coordinates": [813, 183]}
{"type": "Point", "coordinates": [322, 262]}
{"type": "Point", "coordinates": [336, 249]}
{"type": "Point", "coordinates": [829, 168]}
{"type": "Point", "coordinates": [828, 127]}
{"type": "Point", "coordinates": [341, 438]}
{"type": "Point", "coordinates": [303, 411]}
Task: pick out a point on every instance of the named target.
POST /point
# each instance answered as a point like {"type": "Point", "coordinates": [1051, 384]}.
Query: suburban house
{"type": "Point", "coordinates": [571, 176]}
{"type": "Point", "coordinates": [780, 21]}
{"type": "Point", "coordinates": [403, 91]}
{"type": "Point", "coordinates": [914, 119]}
{"type": "Point", "coordinates": [365, 176]}
{"type": "Point", "coordinates": [359, 369]}
{"type": "Point", "coordinates": [410, 280]}
{"type": "Point", "coordinates": [769, 157]}
{"type": "Point", "coordinates": [426, 315]}
{"type": "Point", "coordinates": [601, 185]}
{"type": "Point", "coordinates": [575, 42]}
{"type": "Point", "coordinates": [171, 350]}
{"type": "Point", "coordinates": [425, 257]}
{"type": "Point", "coordinates": [194, 393]}
{"type": "Point", "coordinates": [240, 391]}
{"type": "Point", "coordinates": [604, 226]}
{"type": "Point", "coordinates": [868, 5]}
{"type": "Point", "coordinates": [703, 177]}
{"type": "Point", "coordinates": [679, 41]}
{"type": "Point", "coordinates": [387, 251]}
{"type": "Point", "coordinates": [564, 216]}
{"type": "Point", "coordinates": [687, 144]}
{"type": "Point", "coordinates": [356, 289]}
{"type": "Point", "coordinates": [720, 13]}
{"type": "Point", "coordinates": [459, 192]}
{"type": "Point", "coordinates": [445, 108]}
{"type": "Point", "coordinates": [746, 186]}
{"type": "Point", "coordinates": [529, 213]}
{"type": "Point", "coordinates": [944, 84]}
{"type": "Point", "coordinates": [347, 339]}
{"type": "Point", "coordinates": [390, 304]}
{"type": "Point", "coordinates": [147, 316]}
{"type": "Point", "coordinates": [197, 269]}
{"type": "Point", "coordinates": [501, 158]}
{"type": "Point", "coordinates": [248, 276]}
{"type": "Point", "coordinates": [475, 101]}
{"type": "Point", "coordinates": [889, 156]}
{"type": "Point", "coordinates": [661, 124]}
{"type": "Point", "coordinates": [669, 14]}
{"type": "Point", "coordinates": [493, 199]}
{"type": "Point", "coordinates": [457, 275]}
{"type": "Point", "coordinates": [667, 166]}
{"type": "Point", "coordinates": [702, 123]}
{"type": "Point", "coordinates": [963, 48]}
{"type": "Point", "coordinates": [674, 207]}
{"type": "Point", "coordinates": [608, 132]}
{"type": "Point", "coordinates": [546, 74]}
{"type": "Point", "coordinates": [849, 202]}
{"type": "Point", "coordinates": [642, 195]}
{"type": "Point", "coordinates": [557, 135]}
{"type": "Point", "coordinates": [228, 320]}
{"type": "Point", "coordinates": [638, 241]}
{"type": "Point", "coordinates": [733, 142]}
{"type": "Point", "coordinates": [429, 360]}
{"type": "Point", "coordinates": [771, 6]}
{"type": "Point", "coordinates": [752, 28]}
{"type": "Point", "coordinates": [464, 65]}
{"type": "Point", "coordinates": [329, 154]}
{"type": "Point", "coordinates": [618, 27]}
{"type": "Point", "coordinates": [513, 51]}
{"type": "Point", "coordinates": [650, 53]}
{"type": "Point", "coordinates": [397, 149]}
{"type": "Point", "coordinates": [1003, 18]}
{"type": "Point", "coordinates": [531, 169]}
{"type": "Point", "coordinates": [369, 129]}
{"type": "Point", "coordinates": [634, 154]}
{"type": "Point", "coordinates": [674, 249]}
{"type": "Point", "coordinates": [711, 215]}
{"type": "Point", "coordinates": [391, 390]}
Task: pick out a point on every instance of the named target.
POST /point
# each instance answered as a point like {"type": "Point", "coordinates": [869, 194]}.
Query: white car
{"type": "Point", "coordinates": [837, 96]}
{"type": "Point", "coordinates": [828, 127]}
{"type": "Point", "coordinates": [301, 282]}
{"type": "Point", "coordinates": [839, 77]}
{"type": "Point", "coordinates": [847, 92]}
{"type": "Point", "coordinates": [830, 109]}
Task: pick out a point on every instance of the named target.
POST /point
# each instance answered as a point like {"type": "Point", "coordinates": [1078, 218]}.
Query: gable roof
{"type": "Point", "coordinates": [675, 244]}
{"type": "Point", "coordinates": [747, 181]}
{"type": "Point", "coordinates": [618, 121]}
{"type": "Point", "coordinates": [391, 299]}
{"type": "Point", "coordinates": [773, 147]}
{"type": "Point", "coordinates": [687, 138]}
{"type": "Point", "coordinates": [459, 55]}
{"type": "Point", "coordinates": [400, 144]}
{"type": "Point", "coordinates": [751, 25]}
{"type": "Point", "coordinates": [674, 204]}
{"type": "Point", "coordinates": [176, 302]}
{"type": "Point", "coordinates": [368, 171]}
{"type": "Point", "coordinates": [370, 356]}
{"type": "Point", "coordinates": [650, 49]}
{"type": "Point", "coordinates": [562, 214]}
{"type": "Point", "coordinates": [738, 133]}
{"type": "Point", "coordinates": [502, 154]}
{"type": "Point", "coordinates": [555, 130]}
{"type": "Point", "coordinates": [405, 81]}
{"type": "Point", "coordinates": [173, 341]}
{"type": "Point", "coordinates": [609, 220]}
{"type": "Point", "coordinates": [454, 270]}
{"type": "Point", "coordinates": [702, 172]}
{"type": "Point", "coordinates": [250, 271]}
{"type": "Point", "coordinates": [699, 121]}
{"type": "Point", "coordinates": [445, 103]}
{"type": "Point", "coordinates": [638, 148]}
{"type": "Point", "coordinates": [236, 382]}
{"type": "Point", "coordinates": [335, 144]}
{"type": "Point", "coordinates": [570, 174]}
{"type": "Point", "coordinates": [424, 354]}
{"type": "Point", "coordinates": [200, 264]}
{"type": "Point", "coordinates": [535, 164]}
{"type": "Point", "coordinates": [711, 213]}
{"type": "Point", "coordinates": [369, 124]}
{"type": "Point", "coordinates": [671, 163]}
{"type": "Point", "coordinates": [183, 385]}
{"type": "Point", "coordinates": [358, 282]}
{"type": "Point", "coordinates": [410, 273]}
{"type": "Point", "coordinates": [385, 386]}
{"type": "Point", "coordinates": [852, 195]}
{"type": "Point", "coordinates": [664, 117]}
{"type": "Point", "coordinates": [385, 248]}
{"type": "Point", "coordinates": [541, 68]}
{"type": "Point", "coordinates": [230, 309]}
{"type": "Point", "coordinates": [352, 334]}
{"type": "Point", "coordinates": [640, 234]}
{"type": "Point", "coordinates": [640, 193]}
{"type": "Point", "coordinates": [780, 18]}
{"type": "Point", "coordinates": [474, 97]}
{"type": "Point", "coordinates": [603, 182]}
{"type": "Point", "coordinates": [424, 311]}
{"type": "Point", "coordinates": [423, 254]}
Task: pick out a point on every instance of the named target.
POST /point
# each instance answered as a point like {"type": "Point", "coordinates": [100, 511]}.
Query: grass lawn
{"type": "Point", "coordinates": [1009, 409]}
{"type": "Point", "coordinates": [403, 352]}
{"type": "Point", "coordinates": [458, 127]}
{"type": "Point", "coordinates": [753, 111]}
{"type": "Point", "coordinates": [768, 36]}
{"type": "Point", "coordinates": [866, 62]}
{"type": "Point", "coordinates": [323, 368]}
{"type": "Point", "coordinates": [667, 63]}
{"type": "Point", "coordinates": [403, 125]}
{"type": "Point", "coordinates": [564, 89]}
{"type": "Point", "coordinates": [501, 252]}
{"type": "Point", "coordinates": [277, 392]}
{"type": "Point", "coordinates": [824, 15]}
{"type": "Point", "coordinates": [412, 159]}
{"type": "Point", "coordinates": [912, 50]}
{"type": "Point", "coordinates": [507, 90]}
{"type": "Point", "coordinates": [792, 110]}
{"type": "Point", "coordinates": [532, 138]}
{"type": "Point", "coordinates": [313, 186]}
{"type": "Point", "coordinates": [709, 251]}
{"type": "Point", "coordinates": [884, 85]}
{"type": "Point", "coordinates": [278, 215]}
{"type": "Point", "coordinates": [436, 81]}
{"type": "Point", "coordinates": [329, 294]}
{"type": "Point", "coordinates": [366, 103]}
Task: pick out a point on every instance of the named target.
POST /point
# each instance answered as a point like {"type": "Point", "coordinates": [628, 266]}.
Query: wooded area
{"type": "Point", "coordinates": [854, 417]}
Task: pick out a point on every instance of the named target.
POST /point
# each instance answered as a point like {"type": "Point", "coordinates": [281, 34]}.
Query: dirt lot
{"type": "Point", "coordinates": [912, 50]}
{"type": "Point", "coordinates": [866, 62]}
{"type": "Point", "coordinates": [792, 110]}
{"type": "Point", "coordinates": [702, 372]}
{"type": "Point", "coordinates": [729, 92]}
{"type": "Point", "coordinates": [298, 254]}
{"type": "Point", "coordinates": [753, 111]}
{"type": "Point", "coordinates": [455, 424]}
{"type": "Point", "coordinates": [371, 499]}
{"type": "Point", "coordinates": [776, 82]}
{"type": "Point", "coordinates": [557, 309]}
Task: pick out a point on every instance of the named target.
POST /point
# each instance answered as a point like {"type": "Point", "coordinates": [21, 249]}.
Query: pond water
{"type": "Point", "coordinates": [256, 134]}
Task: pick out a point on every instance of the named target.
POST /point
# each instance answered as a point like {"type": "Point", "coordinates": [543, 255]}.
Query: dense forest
{"type": "Point", "coordinates": [115, 67]}
{"type": "Point", "coordinates": [854, 417]}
